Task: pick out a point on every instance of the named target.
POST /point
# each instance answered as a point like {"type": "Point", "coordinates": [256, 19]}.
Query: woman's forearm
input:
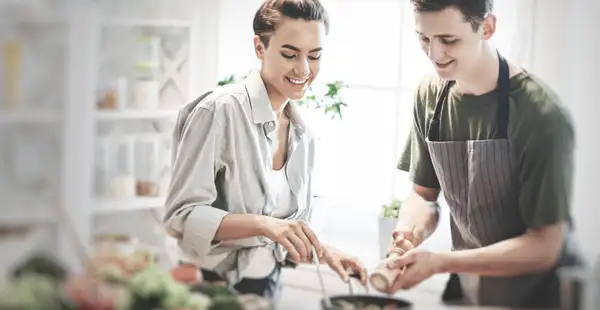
{"type": "Point", "coordinates": [239, 226]}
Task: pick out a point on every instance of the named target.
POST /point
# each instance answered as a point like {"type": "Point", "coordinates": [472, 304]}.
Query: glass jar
{"type": "Point", "coordinates": [146, 88]}
{"type": "Point", "coordinates": [147, 157]}
{"type": "Point", "coordinates": [116, 170]}
{"type": "Point", "coordinates": [148, 51]}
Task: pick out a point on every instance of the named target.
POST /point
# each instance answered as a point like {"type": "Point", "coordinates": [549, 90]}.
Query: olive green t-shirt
{"type": "Point", "coordinates": [540, 133]}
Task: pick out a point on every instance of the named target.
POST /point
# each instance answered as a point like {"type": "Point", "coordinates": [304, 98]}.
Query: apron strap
{"type": "Point", "coordinates": [503, 89]}
{"type": "Point", "coordinates": [503, 98]}
{"type": "Point", "coordinates": [433, 129]}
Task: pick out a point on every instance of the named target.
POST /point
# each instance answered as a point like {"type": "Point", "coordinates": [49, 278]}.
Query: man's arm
{"type": "Point", "coordinates": [419, 214]}
{"type": "Point", "coordinates": [546, 174]}
{"type": "Point", "coordinates": [536, 250]}
{"type": "Point", "coordinates": [418, 217]}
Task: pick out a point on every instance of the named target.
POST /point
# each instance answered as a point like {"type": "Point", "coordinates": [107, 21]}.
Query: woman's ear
{"type": "Point", "coordinates": [259, 48]}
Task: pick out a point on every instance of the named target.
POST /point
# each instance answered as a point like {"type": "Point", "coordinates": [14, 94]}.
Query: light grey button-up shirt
{"type": "Point", "coordinates": [221, 164]}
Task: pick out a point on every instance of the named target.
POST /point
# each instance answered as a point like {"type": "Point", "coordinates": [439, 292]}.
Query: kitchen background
{"type": "Point", "coordinates": [90, 91]}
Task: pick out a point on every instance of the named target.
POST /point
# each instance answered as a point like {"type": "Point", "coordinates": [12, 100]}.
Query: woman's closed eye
{"type": "Point", "coordinates": [288, 56]}
{"type": "Point", "coordinates": [293, 56]}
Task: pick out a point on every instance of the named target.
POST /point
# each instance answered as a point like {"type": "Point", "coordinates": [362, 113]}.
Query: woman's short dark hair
{"type": "Point", "coordinates": [474, 11]}
{"type": "Point", "coordinates": [271, 12]}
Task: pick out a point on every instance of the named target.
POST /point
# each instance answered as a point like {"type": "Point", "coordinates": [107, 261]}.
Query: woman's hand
{"type": "Point", "coordinates": [295, 236]}
{"type": "Point", "coordinates": [344, 265]}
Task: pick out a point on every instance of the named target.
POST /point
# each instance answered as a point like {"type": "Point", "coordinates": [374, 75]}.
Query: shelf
{"type": "Point", "coordinates": [26, 116]}
{"type": "Point", "coordinates": [25, 211]}
{"type": "Point", "coordinates": [132, 114]}
{"type": "Point", "coordinates": [105, 206]}
{"type": "Point", "coordinates": [33, 21]}
{"type": "Point", "coordinates": [147, 23]}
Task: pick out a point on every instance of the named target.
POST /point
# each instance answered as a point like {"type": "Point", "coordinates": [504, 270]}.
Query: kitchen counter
{"type": "Point", "coordinates": [301, 291]}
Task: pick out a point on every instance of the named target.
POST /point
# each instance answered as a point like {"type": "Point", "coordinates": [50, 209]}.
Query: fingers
{"type": "Point", "coordinates": [337, 266]}
{"type": "Point", "coordinates": [397, 238]}
{"type": "Point", "coordinates": [400, 245]}
{"type": "Point", "coordinates": [408, 279]}
{"type": "Point", "coordinates": [289, 246]}
{"type": "Point", "coordinates": [313, 239]}
{"type": "Point", "coordinates": [355, 267]}
{"type": "Point", "coordinates": [306, 243]}
{"type": "Point", "coordinates": [404, 244]}
{"type": "Point", "coordinates": [403, 234]}
{"type": "Point", "coordinates": [300, 246]}
{"type": "Point", "coordinates": [401, 261]}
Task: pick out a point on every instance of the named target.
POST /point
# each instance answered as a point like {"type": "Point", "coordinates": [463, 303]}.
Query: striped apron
{"type": "Point", "coordinates": [480, 182]}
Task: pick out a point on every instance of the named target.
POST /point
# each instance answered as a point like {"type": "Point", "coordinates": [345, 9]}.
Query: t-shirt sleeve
{"type": "Point", "coordinates": [415, 157]}
{"type": "Point", "coordinates": [546, 174]}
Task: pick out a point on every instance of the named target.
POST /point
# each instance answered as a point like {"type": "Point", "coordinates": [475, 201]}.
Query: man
{"type": "Point", "coordinates": [496, 141]}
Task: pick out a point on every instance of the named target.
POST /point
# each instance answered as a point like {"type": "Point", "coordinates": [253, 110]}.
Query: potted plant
{"type": "Point", "coordinates": [388, 219]}
{"type": "Point", "coordinates": [327, 98]}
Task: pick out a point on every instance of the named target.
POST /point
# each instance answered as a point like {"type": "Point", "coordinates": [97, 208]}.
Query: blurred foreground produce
{"type": "Point", "coordinates": [111, 283]}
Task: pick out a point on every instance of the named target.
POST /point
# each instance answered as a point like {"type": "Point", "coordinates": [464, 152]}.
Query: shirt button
{"type": "Point", "coordinates": [271, 124]}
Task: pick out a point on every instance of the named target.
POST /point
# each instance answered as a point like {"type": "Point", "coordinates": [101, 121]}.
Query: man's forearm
{"type": "Point", "coordinates": [529, 253]}
{"type": "Point", "coordinates": [419, 217]}
{"type": "Point", "coordinates": [239, 226]}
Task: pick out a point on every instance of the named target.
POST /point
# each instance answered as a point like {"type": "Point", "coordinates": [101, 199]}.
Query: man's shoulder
{"type": "Point", "coordinates": [538, 107]}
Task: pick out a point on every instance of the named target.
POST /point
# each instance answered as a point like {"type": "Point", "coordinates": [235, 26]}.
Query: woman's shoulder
{"type": "Point", "coordinates": [222, 97]}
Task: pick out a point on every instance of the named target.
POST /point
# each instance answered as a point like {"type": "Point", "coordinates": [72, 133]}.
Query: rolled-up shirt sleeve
{"type": "Point", "coordinates": [190, 216]}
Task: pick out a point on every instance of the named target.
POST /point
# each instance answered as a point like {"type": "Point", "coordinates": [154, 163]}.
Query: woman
{"type": "Point", "coordinates": [240, 196]}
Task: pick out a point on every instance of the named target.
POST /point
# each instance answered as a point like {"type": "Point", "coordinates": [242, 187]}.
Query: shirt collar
{"type": "Point", "coordinates": [260, 104]}
{"type": "Point", "coordinates": [262, 111]}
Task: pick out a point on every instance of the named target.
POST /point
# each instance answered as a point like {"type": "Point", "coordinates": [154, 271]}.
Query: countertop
{"type": "Point", "coordinates": [301, 291]}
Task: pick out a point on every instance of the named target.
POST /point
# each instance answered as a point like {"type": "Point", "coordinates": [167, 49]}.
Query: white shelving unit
{"type": "Point", "coordinates": [130, 114]}
{"type": "Point", "coordinates": [174, 77]}
{"type": "Point", "coordinates": [29, 116]}
{"type": "Point", "coordinates": [72, 198]}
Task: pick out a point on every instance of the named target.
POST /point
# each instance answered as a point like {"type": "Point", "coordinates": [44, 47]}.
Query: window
{"type": "Point", "coordinates": [373, 48]}
{"type": "Point", "coordinates": [235, 48]}
{"type": "Point", "coordinates": [363, 45]}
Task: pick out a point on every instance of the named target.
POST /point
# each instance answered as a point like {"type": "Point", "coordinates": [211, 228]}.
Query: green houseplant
{"type": "Point", "coordinates": [388, 220]}
{"type": "Point", "coordinates": [390, 211]}
{"type": "Point", "coordinates": [327, 98]}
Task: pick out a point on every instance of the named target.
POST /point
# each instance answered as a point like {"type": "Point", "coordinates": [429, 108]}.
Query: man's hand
{"type": "Point", "coordinates": [344, 265]}
{"type": "Point", "coordinates": [404, 241]}
{"type": "Point", "coordinates": [420, 265]}
{"type": "Point", "coordinates": [295, 236]}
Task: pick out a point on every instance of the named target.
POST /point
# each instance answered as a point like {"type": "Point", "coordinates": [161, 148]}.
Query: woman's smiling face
{"type": "Point", "coordinates": [292, 56]}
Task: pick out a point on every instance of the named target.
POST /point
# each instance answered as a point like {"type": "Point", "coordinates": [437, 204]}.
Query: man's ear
{"type": "Point", "coordinates": [259, 48]}
{"type": "Point", "coordinates": [488, 27]}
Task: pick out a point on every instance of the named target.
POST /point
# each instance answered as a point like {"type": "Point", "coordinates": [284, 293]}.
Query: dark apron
{"type": "Point", "coordinates": [269, 287]}
{"type": "Point", "coordinates": [480, 182]}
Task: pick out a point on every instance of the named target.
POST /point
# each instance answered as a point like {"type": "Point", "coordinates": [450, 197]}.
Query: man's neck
{"type": "Point", "coordinates": [484, 78]}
